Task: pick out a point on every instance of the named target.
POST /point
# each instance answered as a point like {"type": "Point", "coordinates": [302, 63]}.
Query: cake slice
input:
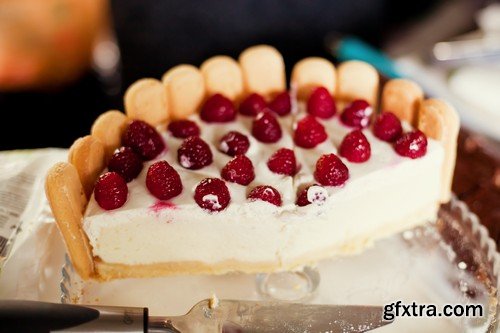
{"type": "Point", "coordinates": [238, 174]}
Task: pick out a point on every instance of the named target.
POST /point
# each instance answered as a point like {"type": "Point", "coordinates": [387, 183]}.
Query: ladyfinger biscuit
{"type": "Point", "coordinates": [439, 121]}
{"type": "Point", "coordinates": [146, 100]}
{"type": "Point", "coordinates": [185, 88]}
{"type": "Point", "coordinates": [88, 157]}
{"type": "Point", "coordinates": [357, 80]}
{"type": "Point", "coordinates": [263, 70]}
{"type": "Point", "coordinates": [108, 128]}
{"type": "Point", "coordinates": [223, 75]}
{"type": "Point", "coordinates": [402, 97]}
{"type": "Point", "coordinates": [313, 72]}
{"type": "Point", "coordinates": [67, 201]}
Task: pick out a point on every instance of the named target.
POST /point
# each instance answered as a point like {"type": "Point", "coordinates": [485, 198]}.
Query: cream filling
{"type": "Point", "coordinates": [387, 190]}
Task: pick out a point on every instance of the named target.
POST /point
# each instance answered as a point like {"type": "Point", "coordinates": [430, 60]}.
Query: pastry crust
{"type": "Point", "coordinates": [402, 97]}
{"type": "Point", "coordinates": [313, 72]}
{"type": "Point", "coordinates": [67, 201]}
{"type": "Point", "coordinates": [146, 100]}
{"type": "Point", "coordinates": [263, 70]}
{"type": "Point", "coordinates": [223, 75]}
{"type": "Point", "coordinates": [185, 89]}
{"type": "Point", "coordinates": [108, 128]}
{"type": "Point", "coordinates": [357, 80]}
{"type": "Point", "coordinates": [88, 157]}
{"type": "Point", "coordinates": [439, 120]}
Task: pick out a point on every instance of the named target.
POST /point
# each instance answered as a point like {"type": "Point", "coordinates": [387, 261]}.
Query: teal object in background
{"type": "Point", "coordinates": [351, 48]}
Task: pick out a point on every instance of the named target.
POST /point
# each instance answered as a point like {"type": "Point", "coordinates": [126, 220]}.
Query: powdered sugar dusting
{"type": "Point", "coordinates": [212, 199]}
{"type": "Point", "coordinates": [317, 195]}
{"type": "Point", "coordinates": [185, 162]}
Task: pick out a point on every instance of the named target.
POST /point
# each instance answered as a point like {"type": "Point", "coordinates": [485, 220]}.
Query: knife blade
{"type": "Point", "coordinates": [263, 316]}
{"type": "Point", "coordinates": [228, 316]}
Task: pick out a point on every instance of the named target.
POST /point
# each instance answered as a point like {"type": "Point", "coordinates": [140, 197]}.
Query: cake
{"type": "Point", "coordinates": [222, 169]}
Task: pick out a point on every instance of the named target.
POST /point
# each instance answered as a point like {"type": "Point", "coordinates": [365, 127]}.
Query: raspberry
{"type": "Point", "coordinates": [126, 163]}
{"type": "Point", "coordinates": [355, 147]}
{"type": "Point", "coordinates": [387, 127]}
{"type": "Point", "coordinates": [321, 104]}
{"type": "Point", "coordinates": [239, 170]}
{"type": "Point", "coordinates": [212, 194]}
{"type": "Point", "coordinates": [110, 191]}
{"type": "Point", "coordinates": [315, 194]}
{"type": "Point", "coordinates": [283, 162]}
{"type": "Point", "coordinates": [281, 104]}
{"type": "Point", "coordinates": [252, 105]}
{"type": "Point", "coordinates": [194, 153]}
{"type": "Point", "coordinates": [183, 128]}
{"type": "Point", "coordinates": [143, 139]}
{"type": "Point", "coordinates": [234, 143]}
{"type": "Point", "coordinates": [218, 109]}
{"type": "Point", "coordinates": [266, 128]}
{"type": "Point", "coordinates": [163, 181]}
{"type": "Point", "coordinates": [412, 144]}
{"type": "Point", "coordinates": [266, 193]}
{"type": "Point", "coordinates": [331, 171]}
{"type": "Point", "coordinates": [309, 133]}
{"type": "Point", "coordinates": [357, 114]}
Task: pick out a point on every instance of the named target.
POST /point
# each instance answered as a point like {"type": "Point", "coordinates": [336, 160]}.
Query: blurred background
{"type": "Point", "coordinates": [63, 62]}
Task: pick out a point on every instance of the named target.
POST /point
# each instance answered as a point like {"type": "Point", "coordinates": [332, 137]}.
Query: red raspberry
{"type": "Point", "coordinates": [234, 143]}
{"type": "Point", "coordinates": [266, 128]}
{"type": "Point", "coordinates": [309, 133]}
{"type": "Point", "coordinates": [194, 153]}
{"type": "Point", "coordinates": [239, 170]}
{"type": "Point", "coordinates": [281, 104]}
{"type": "Point", "coordinates": [387, 127]}
{"type": "Point", "coordinates": [183, 128]}
{"type": "Point", "coordinates": [412, 144]}
{"type": "Point", "coordinates": [355, 147]}
{"type": "Point", "coordinates": [321, 104]}
{"type": "Point", "coordinates": [312, 194]}
{"type": "Point", "coordinates": [252, 105]}
{"type": "Point", "coordinates": [266, 193]}
{"type": "Point", "coordinates": [143, 139]}
{"type": "Point", "coordinates": [283, 162]}
{"type": "Point", "coordinates": [163, 181]}
{"type": "Point", "coordinates": [331, 171]}
{"type": "Point", "coordinates": [110, 191]}
{"type": "Point", "coordinates": [212, 194]}
{"type": "Point", "coordinates": [218, 109]}
{"type": "Point", "coordinates": [126, 163]}
{"type": "Point", "coordinates": [357, 114]}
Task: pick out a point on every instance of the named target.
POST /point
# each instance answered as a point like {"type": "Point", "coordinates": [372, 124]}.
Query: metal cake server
{"type": "Point", "coordinates": [227, 316]}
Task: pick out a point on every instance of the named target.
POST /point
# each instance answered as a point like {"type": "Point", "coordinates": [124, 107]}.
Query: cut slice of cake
{"type": "Point", "coordinates": [221, 169]}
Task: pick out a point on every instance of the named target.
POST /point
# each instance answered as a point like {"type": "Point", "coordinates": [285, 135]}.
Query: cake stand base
{"type": "Point", "coordinates": [294, 286]}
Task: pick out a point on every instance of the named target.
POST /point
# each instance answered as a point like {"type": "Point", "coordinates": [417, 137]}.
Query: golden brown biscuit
{"type": "Point", "coordinates": [263, 70]}
{"type": "Point", "coordinates": [357, 80]}
{"type": "Point", "coordinates": [88, 157]}
{"type": "Point", "coordinates": [146, 100]}
{"type": "Point", "coordinates": [67, 201]}
{"type": "Point", "coordinates": [108, 128]}
{"type": "Point", "coordinates": [223, 75]}
{"type": "Point", "coordinates": [439, 121]}
{"type": "Point", "coordinates": [185, 89]}
{"type": "Point", "coordinates": [402, 97]}
{"type": "Point", "coordinates": [313, 72]}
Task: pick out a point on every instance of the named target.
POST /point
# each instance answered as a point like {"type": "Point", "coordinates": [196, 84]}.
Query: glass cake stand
{"type": "Point", "coordinates": [451, 261]}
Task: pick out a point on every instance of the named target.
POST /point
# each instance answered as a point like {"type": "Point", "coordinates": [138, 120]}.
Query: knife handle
{"type": "Point", "coordinates": [41, 317]}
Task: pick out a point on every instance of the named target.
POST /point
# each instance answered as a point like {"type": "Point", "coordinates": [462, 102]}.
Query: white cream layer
{"type": "Point", "coordinates": [388, 193]}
